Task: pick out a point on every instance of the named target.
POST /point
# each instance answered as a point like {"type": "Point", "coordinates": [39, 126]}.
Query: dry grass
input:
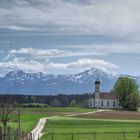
{"type": "Point", "coordinates": [122, 115]}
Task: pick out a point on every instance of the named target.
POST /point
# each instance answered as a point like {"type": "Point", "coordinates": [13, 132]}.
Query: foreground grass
{"type": "Point", "coordinates": [28, 122]}
{"type": "Point", "coordinates": [67, 124]}
{"type": "Point", "coordinates": [61, 124]}
{"type": "Point", "coordinates": [30, 116]}
{"type": "Point", "coordinates": [76, 125]}
{"type": "Point", "coordinates": [57, 109]}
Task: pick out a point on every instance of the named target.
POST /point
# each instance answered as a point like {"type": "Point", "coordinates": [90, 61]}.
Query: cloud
{"type": "Point", "coordinates": [21, 64]}
{"type": "Point", "coordinates": [40, 53]}
{"type": "Point", "coordinates": [8, 57]}
{"type": "Point", "coordinates": [73, 16]}
{"type": "Point", "coordinates": [83, 64]}
{"type": "Point", "coordinates": [50, 53]}
{"type": "Point", "coordinates": [36, 66]}
{"type": "Point", "coordinates": [108, 48]}
{"type": "Point", "coordinates": [76, 50]}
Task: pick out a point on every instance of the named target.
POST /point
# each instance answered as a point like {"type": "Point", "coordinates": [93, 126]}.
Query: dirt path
{"type": "Point", "coordinates": [73, 115]}
{"type": "Point", "coordinates": [36, 132]}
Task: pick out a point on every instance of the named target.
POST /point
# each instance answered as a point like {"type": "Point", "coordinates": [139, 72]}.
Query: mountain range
{"type": "Point", "coordinates": [19, 82]}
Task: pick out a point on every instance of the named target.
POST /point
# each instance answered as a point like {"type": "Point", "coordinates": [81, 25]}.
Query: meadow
{"type": "Point", "coordinates": [81, 127]}
{"type": "Point", "coordinates": [89, 129]}
{"type": "Point", "coordinates": [30, 116]}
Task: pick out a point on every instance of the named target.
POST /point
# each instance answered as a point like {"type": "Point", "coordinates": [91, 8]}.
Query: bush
{"type": "Point", "coordinates": [34, 105]}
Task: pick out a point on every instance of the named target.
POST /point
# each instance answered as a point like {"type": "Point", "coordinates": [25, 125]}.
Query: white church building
{"type": "Point", "coordinates": [103, 99]}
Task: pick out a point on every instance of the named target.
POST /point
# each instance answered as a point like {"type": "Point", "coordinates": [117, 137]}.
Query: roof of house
{"type": "Point", "coordinates": [106, 95]}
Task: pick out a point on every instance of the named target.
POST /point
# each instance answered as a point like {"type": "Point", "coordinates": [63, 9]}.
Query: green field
{"type": "Point", "coordinates": [28, 122]}
{"type": "Point", "coordinates": [30, 116]}
{"type": "Point", "coordinates": [67, 124]}
{"type": "Point", "coordinates": [56, 109]}
{"type": "Point", "coordinates": [64, 126]}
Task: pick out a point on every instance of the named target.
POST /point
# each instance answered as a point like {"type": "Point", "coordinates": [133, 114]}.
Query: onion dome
{"type": "Point", "coordinates": [97, 81]}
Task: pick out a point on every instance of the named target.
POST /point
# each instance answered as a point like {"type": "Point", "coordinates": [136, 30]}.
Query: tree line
{"type": "Point", "coordinates": [63, 100]}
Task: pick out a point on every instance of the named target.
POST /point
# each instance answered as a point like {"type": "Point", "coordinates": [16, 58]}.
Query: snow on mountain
{"type": "Point", "coordinates": [19, 82]}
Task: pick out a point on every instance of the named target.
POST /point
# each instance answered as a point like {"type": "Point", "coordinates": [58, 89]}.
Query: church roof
{"type": "Point", "coordinates": [107, 95]}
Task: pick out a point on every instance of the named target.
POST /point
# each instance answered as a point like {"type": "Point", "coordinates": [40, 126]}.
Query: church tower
{"type": "Point", "coordinates": [97, 93]}
{"type": "Point", "coordinates": [97, 86]}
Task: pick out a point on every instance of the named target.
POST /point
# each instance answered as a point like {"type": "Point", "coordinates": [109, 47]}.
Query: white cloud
{"type": "Point", "coordinates": [104, 49]}
{"type": "Point", "coordinates": [9, 57]}
{"type": "Point", "coordinates": [83, 64]}
{"type": "Point", "coordinates": [50, 53]}
{"type": "Point", "coordinates": [76, 50]}
{"type": "Point", "coordinates": [35, 66]}
{"type": "Point", "coordinates": [73, 16]}
{"type": "Point", "coordinates": [17, 63]}
{"type": "Point", "coordinates": [40, 53]}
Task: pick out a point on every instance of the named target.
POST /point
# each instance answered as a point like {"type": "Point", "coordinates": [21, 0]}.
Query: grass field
{"type": "Point", "coordinates": [30, 116]}
{"type": "Point", "coordinates": [47, 110]}
{"type": "Point", "coordinates": [28, 121]}
{"type": "Point", "coordinates": [100, 122]}
{"type": "Point", "coordinates": [67, 124]}
{"type": "Point", "coordinates": [64, 125]}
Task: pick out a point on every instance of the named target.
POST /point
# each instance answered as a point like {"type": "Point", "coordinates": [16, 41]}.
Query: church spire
{"type": "Point", "coordinates": [97, 81]}
{"type": "Point", "coordinates": [97, 85]}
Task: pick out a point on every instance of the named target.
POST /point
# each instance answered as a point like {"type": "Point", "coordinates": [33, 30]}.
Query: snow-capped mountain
{"type": "Point", "coordinates": [19, 82]}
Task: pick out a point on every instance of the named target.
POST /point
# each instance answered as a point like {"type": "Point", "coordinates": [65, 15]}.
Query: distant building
{"type": "Point", "coordinates": [103, 99]}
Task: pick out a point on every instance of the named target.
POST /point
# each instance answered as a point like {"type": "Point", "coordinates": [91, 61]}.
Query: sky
{"type": "Point", "coordinates": [70, 36]}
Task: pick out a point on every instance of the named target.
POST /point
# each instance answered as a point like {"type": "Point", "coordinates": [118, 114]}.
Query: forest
{"type": "Point", "coordinates": [62, 100]}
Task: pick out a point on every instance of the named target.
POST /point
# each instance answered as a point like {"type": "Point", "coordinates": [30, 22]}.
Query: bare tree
{"type": "Point", "coordinates": [7, 107]}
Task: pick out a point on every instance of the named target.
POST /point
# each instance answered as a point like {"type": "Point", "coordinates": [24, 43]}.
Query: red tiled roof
{"type": "Point", "coordinates": [107, 95]}
{"type": "Point", "coordinates": [104, 95]}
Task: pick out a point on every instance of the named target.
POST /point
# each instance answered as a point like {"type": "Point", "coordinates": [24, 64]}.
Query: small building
{"type": "Point", "coordinates": [103, 99]}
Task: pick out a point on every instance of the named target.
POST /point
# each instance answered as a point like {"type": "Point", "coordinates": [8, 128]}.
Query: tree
{"type": "Point", "coordinates": [84, 104]}
{"type": "Point", "coordinates": [73, 103]}
{"type": "Point", "coordinates": [7, 107]}
{"type": "Point", "coordinates": [126, 90]}
{"type": "Point", "coordinates": [56, 103]}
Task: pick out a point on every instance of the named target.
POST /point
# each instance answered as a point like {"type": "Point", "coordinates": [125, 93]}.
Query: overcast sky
{"type": "Point", "coordinates": [69, 36]}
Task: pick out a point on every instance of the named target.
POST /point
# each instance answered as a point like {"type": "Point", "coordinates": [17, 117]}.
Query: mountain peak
{"type": "Point", "coordinates": [19, 82]}
{"type": "Point", "coordinates": [14, 73]}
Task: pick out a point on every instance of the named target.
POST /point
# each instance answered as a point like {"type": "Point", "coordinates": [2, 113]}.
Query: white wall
{"type": "Point", "coordinates": [92, 103]}
{"type": "Point", "coordinates": [110, 103]}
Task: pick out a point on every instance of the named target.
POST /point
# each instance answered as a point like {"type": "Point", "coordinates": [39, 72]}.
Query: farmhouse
{"type": "Point", "coordinates": [102, 99]}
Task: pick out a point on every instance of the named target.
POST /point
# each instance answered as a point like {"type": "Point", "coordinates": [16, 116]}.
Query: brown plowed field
{"type": "Point", "coordinates": [123, 115]}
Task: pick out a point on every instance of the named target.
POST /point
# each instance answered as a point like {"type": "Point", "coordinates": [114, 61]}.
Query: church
{"type": "Point", "coordinates": [103, 99]}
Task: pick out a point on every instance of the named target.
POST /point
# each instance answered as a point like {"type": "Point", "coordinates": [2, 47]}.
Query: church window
{"type": "Point", "coordinates": [107, 103]}
{"type": "Point", "coordinates": [113, 103]}
{"type": "Point", "coordinates": [102, 103]}
{"type": "Point", "coordinates": [90, 103]}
